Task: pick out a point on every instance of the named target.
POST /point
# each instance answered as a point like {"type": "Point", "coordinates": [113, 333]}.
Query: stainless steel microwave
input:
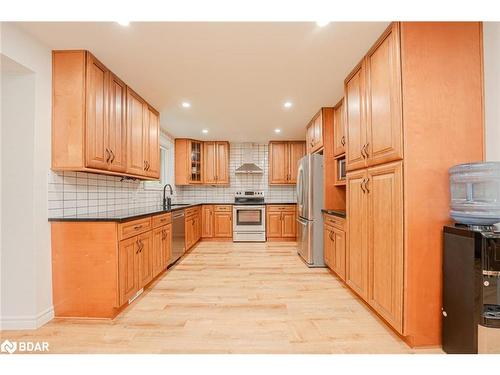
{"type": "Point", "coordinates": [341, 172]}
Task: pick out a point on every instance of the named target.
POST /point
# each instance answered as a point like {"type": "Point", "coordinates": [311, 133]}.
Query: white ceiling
{"type": "Point", "coordinates": [235, 75]}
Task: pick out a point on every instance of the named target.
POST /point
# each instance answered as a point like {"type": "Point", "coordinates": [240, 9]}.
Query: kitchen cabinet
{"type": "Point", "coordinates": [192, 226]}
{"type": "Point", "coordinates": [283, 160]}
{"type": "Point", "coordinates": [373, 100]}
{"type": "Point", "coordinates": [339, 138]}
{"type": "Point", "coordinates": [145, 258]}
{"type": "Point", "coordinates": [384, 192]}
{"type": "Point", "coordinates": [223, 221]}
{"type": "Point", "coordinates": [199, 162]}
{"type": "Point", "coordinates": [152, 142]}
{"type": "Point", "coordinates": [375, 250]}
{"type": "Point", "coordinates": [357, 252]}
{"type": "Point", "coordinates": [315, 130]}
{"type": "Point", "coordinates": [128, 269]}
{"type": "Point", "coordinates": [334, 240]}
{"type": "Point", "coordinates": [136, 109]}
{"type": "Point", "coordinates": [281, 222]}
{"type": "Point", "coordinates": [216, 163]}
{"type": "Point", "coordinates": [207, 221]}
{"type": "Point", "coordinates": [117, 125]}
{"type": "Point", "coordinates": [99, 124]}
{"type": "Point", "coordinates": [162, 244]}
{"type": "Point", "coordinates": [188, 161]}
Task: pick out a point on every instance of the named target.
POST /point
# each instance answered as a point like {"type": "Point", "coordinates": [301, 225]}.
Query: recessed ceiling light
{"type": "Point", "coordinates": [204, 131]}
{"type": "Point", "coordinates": [287, 104]}
{"type": "Point", "coordinates": [123, 23]}
{"type": "Point", "coordinates": [322, 23]}
{"type": "Point", "coordinates": [186, 104]}
{"type": "Point", "coordinates": [277, 131]}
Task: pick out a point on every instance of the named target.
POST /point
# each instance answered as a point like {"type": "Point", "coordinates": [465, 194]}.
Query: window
{"type": "Point", "coordinates": [166, 168]}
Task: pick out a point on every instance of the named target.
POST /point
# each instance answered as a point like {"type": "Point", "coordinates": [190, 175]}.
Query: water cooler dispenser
{"type": "Point", "coordinates": [471, 261]}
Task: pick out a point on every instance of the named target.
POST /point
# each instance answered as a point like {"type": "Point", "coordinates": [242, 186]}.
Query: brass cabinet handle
{"type": "Point", "coordinates": [342, 140]}
{"type": "Point", "coordinates": [363, 151]}
{"type": "Point", "coordinates": [363, 186]}
{"type": "Point", "coordinates": [366, 150]}
{"type": "Point", "coordinates": [112, 156]}
{"type": "Point", "coordinates": [107, 156]}
{"type": "Point", "coordinates": [330, 235]}
{"type": "Point", "coordinates": [138, 226]}
{"type": "Point", "coordinates": [145, 165]}
{"type": "Point", "coordinates": [366, 185]}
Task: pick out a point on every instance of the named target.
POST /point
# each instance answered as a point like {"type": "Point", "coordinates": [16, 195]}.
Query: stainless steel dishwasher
{"type": "Point", "coordinates": [178, 235]}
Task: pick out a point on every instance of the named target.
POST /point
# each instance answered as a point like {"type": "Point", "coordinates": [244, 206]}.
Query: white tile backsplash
{"type": "Point", "coordinates": [78, 193]}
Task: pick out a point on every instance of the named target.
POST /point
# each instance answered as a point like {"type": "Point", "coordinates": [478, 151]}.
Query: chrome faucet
{"type": "Point", "coordinates": [167, 201]}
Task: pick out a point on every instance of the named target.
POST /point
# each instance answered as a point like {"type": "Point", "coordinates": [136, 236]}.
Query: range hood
{"type": "Point", "coordinates": [248, 166]}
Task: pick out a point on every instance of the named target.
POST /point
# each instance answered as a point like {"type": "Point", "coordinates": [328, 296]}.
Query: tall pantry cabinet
{"type": "Point", "coordinates": [414, 108]}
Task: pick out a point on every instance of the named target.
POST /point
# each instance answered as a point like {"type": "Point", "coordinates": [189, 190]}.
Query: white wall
{"type": "Point", "coordinates": [491, 34]}
{"type": "Point", "coordinates": [26, 262]}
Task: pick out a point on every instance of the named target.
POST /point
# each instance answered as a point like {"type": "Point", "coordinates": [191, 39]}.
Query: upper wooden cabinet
{"type": "Point", "coordinates": [315, 130]}
{"type": "Point", "coordinates": [373, 105]}
{"type": "Point", "coordinates": [339, 132]}
{"type": "Point", "coordinates": [198, 162]}
{"type": "Point", "coordinates": [216, 163]}
{"type": "Point", "coordinates": [283, 159]}
{"type": "Point", "coordinates": [98, 125]}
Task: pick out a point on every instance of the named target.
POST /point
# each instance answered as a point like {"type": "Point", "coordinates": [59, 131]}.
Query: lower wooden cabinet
{"type": "Point", "coordinates": [281, 222]}
{"type": "Point", "coordinates": [334, 240]}
{"type": "Point", "coordinates": [193, 226]}
{"type": "Point", "coordinates": [375, 264]}
{"type": "Point", "coordinates": [207, 221]}
{"type": "Point", "coordinates": [106, 264]}
{"type": "Point", "coordinates": [223, 221]}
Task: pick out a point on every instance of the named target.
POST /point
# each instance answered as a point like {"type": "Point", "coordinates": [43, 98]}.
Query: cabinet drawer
{"type": "Point", "coordinates": [160, 220]}
{"type": "Point", "coordinates": [223, 208]}
{"type": "Point", "coordinates": [335, 221]}
{"type": "Point", "coordinates": [133, 228]}
{"type": "Point", "coordinates": [192, 210]}
{"type": "Point", "coordinates": [287, 208]}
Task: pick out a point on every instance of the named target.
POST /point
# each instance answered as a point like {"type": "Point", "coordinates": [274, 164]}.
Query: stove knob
{"type": "Point", "coordinates": [445, 314]}
{"type": "Point", "coordinates": [486, 283]}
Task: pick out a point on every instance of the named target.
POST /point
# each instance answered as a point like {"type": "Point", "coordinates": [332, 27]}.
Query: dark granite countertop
{"type": "Point", "coordinates": [339, 213]}
{"type": "Point", "coordinates": [137, 213]}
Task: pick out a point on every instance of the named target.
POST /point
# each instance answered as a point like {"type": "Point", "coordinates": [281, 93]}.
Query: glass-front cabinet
{"type": "Point", "coordinates": [196, 155]}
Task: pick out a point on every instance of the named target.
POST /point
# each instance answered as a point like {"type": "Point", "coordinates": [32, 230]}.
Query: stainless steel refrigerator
{"type": "Point", "coordinates": [309, 205]}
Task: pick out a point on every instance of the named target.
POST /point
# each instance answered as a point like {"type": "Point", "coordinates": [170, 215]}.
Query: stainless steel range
{"type": "Point", "coordinates": [249, 217]}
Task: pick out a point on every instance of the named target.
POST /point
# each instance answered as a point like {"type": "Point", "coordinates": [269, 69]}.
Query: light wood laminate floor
{"type": "Point", "coordinates": [232, 298]}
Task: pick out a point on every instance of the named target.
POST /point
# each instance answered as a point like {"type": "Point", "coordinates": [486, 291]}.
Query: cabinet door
{"type": "Point", "coordinates": [97, 153]}
{"type": "Point", "coordinates": [197, 228]}
{"type": "Point", "coordinates": [167, 245]}
{"type": "Point", "coordinates": [127, 269]}
{"type": "Point", "coordinates": [288, 225]}
{"type": "Point", "coordinates": [278, 158]}
{"type": "Point", "coordinates": [189, 232]}
{"type": "Point", "coordinates": [273, 225]}
{"type": "Point", "coordinates": [328, 246]}
{"type": "Point", "coordinates": [152, 143]}
{"type": "Point", "coordinates": [117, 128]}
{"type": "Point", "coordinates": [195, 156]}
{"type": "Point", "coordinates": [385, 242]}
{"type": "Point", "coordinates": [222, 162]}
{"type": "Point", "coordinates": [207, 221]}
{"type": "Point", "coordinates": [318, 132]}
{"type": "Point", "coordinates": [339, 138]}
{"type": "Point", "coordinates": [355, 120]}
{"type": "Point", "coordinates": [157, 250]}
{"type": "Point", "coordinates": [223, 225]}
{"type": "Point", "coordinates": [296, 150]}
{"type": "Point", "coordinates": [339, 251]}
{"type": "Point", "coordinates": [383, 100]}
{"type": "Point", "coordinates": [357, 253]}
{"type": "Point", "coordinates": [209, 163]}
{"type": "Point", "coordinates": [310, 133]}
{"type": "Point", "coordinates": [145, 257]}
{"type": "Point", "coordinates": [135, 134]}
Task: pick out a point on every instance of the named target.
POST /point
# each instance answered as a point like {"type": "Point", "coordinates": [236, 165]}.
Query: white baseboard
{"type": "Point", "coordinates": [26, 322]}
